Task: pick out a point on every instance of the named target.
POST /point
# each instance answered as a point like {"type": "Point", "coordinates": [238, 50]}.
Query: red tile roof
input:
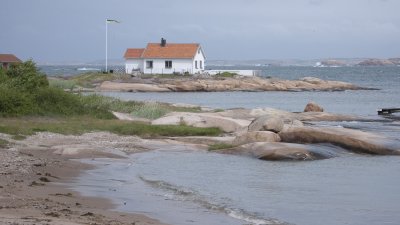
{"type": "Point", "coordinates": [133, 53]}
{"type": "Point", "coordinates": [170, 51]}
{"type": "Point", "coordinates": [8, 58]}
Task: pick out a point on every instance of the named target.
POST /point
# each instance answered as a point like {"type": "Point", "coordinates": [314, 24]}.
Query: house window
{"type": "Point", "coordinates": [168, 64]}
{"type": "Point", "coordinates": [149, 64]}
{"type": "Point", "coordinates": [201, 64]}
{"type": "Point", "coordinates": [195, 64]}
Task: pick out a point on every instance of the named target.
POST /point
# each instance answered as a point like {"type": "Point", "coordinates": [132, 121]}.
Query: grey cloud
{"type": "Point", "coordinates": [49, 30]}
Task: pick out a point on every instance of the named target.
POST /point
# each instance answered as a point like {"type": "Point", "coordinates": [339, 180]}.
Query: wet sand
{"type": "Point", "coordinates": [35, 180]}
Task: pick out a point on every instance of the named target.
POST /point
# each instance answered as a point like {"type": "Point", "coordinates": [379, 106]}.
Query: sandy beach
{"type": "Point", "coordinates": [34, 184]}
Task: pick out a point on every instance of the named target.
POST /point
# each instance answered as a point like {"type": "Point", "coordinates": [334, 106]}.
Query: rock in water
{"type": "Point", "coordinates": [267, 123]}
{"type": "Point", "coordinates": [278, 151]}
{"type": "Point", "coordinates": [352, 140]}
{"type": "Point", "coordinates": [313, 107]}
{"type": "Point", "coordinates": [256, 136]}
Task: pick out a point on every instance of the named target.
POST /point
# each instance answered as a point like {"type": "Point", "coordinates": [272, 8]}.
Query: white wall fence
{"type": "Point", "coordinates": [117, 69]}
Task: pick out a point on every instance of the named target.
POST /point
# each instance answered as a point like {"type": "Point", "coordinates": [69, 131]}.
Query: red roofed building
{"type": "Point", "coordinates": [165, 58]}
{"type": "Point", "coordinates": [7, 59]}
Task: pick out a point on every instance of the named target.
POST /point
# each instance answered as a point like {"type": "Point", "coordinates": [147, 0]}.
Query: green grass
{"type": "Point", "coordinates": [95, 101]}
{"type": "Point", "coordinates": [150, 110]}
{"type": "Point", "coordinates": [63, 84]}
{"type": "Point", "coordinates": [220, 146]}
{"type": "Point", "coordinates": [226, 74]}
{"type": "Point", "coordinates": [91, 79]}
{"type": "Point", "coordinates": [83, 124]}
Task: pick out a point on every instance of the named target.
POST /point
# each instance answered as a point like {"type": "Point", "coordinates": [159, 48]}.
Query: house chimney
{"type": "Point", "coordinates": [163, 42]}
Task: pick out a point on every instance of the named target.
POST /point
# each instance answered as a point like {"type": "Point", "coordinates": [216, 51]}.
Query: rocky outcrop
{"type": "Point", "coordinates": [395, 61]}
{"type": "Point", "coordinates": [353, 140]}
{"type": "Point", "coordinates": [229, 84]}
{"type": "Point", "coordinates": [376, 62]}
{"type": "Point", "coordinates": [332, 62]}
{"type": "Point", "coordinates": [287, 117]}
{"type": "Point", "coordinates": [278, 151]}
{"type": "Point", "coordinates": [267, 123]}
{"type": "Point", "coordinates": [226, 124]}
{"type": "Point", "coordinates": [256, 136]}
{"type": "Point", "coordinates": [313, 107]}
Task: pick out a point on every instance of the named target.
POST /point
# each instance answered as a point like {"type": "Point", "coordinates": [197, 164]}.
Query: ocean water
{"type": "Point", "coordinates": [183, 185]}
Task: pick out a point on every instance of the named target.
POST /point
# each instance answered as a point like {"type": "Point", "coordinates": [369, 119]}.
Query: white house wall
{"type": "Point", "coordinates": [133, 64]}
{"type": "Point", "coordinates": [199, 57]}
{"type": "Point", "coordinates": [178, 65]}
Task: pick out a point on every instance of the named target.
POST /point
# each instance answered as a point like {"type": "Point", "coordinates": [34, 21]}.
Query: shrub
{"type": "Point", "coordinates": [55, 101]}
{"type": "Point", "coordinates": [14, 102]}
{"type": "Point", "coordinates": [26, 76]}
{"type": "Point", "coordinates": [108, 103]}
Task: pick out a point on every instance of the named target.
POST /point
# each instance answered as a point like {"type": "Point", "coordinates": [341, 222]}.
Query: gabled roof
{"type": "Point", "coordinates": [133, 53]}
{"type": "Point", "coordinates": [8, 58]}
{"type": "Point", "coordinates": [168, 51]}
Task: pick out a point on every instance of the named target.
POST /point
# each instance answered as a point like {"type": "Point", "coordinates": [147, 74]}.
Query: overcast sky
{"type": "Point", "coordinates": [74, 30]}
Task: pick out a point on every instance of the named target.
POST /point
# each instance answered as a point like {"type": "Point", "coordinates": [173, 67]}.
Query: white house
{"type": "Point", "coordinates": [165, 58]}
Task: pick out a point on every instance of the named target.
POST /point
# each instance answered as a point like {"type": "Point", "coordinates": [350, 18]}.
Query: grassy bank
{"type": "Point", "coordinates": [79, 125]}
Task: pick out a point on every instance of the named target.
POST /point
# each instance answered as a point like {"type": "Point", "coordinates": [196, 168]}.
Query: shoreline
{"type": "Point", "coordinates": [39, 171]}
{"type": "Point", "coordinates": [225, 84]}
{"type": "Point", "coordinates": [35, 187]}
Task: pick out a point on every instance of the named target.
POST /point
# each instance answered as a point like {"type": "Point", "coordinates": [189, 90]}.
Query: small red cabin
{"type": "Point", "coordinates": [7, 59]}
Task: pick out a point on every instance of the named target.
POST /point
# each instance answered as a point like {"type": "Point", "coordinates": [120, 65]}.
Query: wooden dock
{"type": "Point", "coordinates": [387, 111]}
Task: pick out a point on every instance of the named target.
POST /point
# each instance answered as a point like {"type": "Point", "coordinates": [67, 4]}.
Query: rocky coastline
{"type": "Point", "coordinates": [36, 171]}
{"type": "Point", "coordinates": [222, 84]}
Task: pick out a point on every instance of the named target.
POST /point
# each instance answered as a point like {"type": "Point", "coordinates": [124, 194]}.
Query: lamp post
{"type": "Point", "coordinates": [107, 22]}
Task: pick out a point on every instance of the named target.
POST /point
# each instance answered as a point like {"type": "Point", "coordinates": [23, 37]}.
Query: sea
{"type": "Point", "coordinates": [184, 185]}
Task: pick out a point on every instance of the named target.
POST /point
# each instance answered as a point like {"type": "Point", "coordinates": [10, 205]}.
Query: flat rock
{"type": "Point", "coordinates": [256, 136]}
{"type": "Point", "coordinates": [226, 124]}
{"type": "Point", "coordinates": [353, 140]}
{"type": "Point", "coordinates": [277, 151]}
{"type": "Point", "coordinates": [302, 116]}
{"type": "Point", "coordinates": [82, 151]}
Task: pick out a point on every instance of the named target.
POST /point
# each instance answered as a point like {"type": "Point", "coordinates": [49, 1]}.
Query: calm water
{"type": "Point", "coordinates": [387, 79]}
{"type": "Point", "coordinates": [181, 185]}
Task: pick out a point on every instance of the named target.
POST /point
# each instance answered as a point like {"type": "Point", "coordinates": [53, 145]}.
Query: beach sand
{"type": "Point", "coordinates": [34, 183]}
